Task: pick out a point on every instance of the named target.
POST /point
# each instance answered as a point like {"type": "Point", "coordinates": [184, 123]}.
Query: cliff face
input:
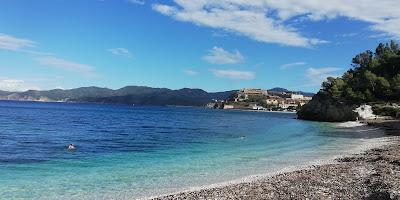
{"type": "Point", "coordinates": [323, 108]}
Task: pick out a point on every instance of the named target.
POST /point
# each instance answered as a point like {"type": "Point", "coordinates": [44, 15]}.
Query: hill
{"type": "Point", "coordinates": [126, 95]}
{"type": "Point", "coordinates": [280, 90]}
{"type": "Point", "coordinates": [374, 79]}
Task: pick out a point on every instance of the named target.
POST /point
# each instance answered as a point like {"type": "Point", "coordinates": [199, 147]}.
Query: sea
{"type": "Point", "coordinates": [136, 152]}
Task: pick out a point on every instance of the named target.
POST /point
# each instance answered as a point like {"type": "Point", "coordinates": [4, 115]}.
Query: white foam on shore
{"type": "Point", "coordinates": [350, 124]}
{"type": "Point", "coordinates": [365, 112]}
{"type": "Point", "coordinates": [364, 145]}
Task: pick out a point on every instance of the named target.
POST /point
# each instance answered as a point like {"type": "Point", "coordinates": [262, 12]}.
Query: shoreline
{"type": "Point", "coordinates": [267, 111]}
{"type": "Point", "coordinates": [269, 185]}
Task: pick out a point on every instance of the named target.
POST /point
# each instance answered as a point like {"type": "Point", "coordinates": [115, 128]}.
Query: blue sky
{"type": "Point", "coordinates": [212, 45]}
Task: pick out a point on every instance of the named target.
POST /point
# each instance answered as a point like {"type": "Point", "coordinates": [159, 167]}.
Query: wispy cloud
{"type": "Point", "coordinates": [139, 2]}
{"type": "Point", "coordinates": [269, 20]}
{"type": "Point", "coordinates": [234, 74]}
{"type": "Point", "coordinates": [317, 75]}
{"type": "Point", "coordinates": [15, 85]}
{"type": "Point", "coordinates": [83, 69]}
{"type": "Point", "coordinates": [289, 65]}
{"type": "Point", "coordinates": [190, 72]}
{"type": "Point", "coordinates": [391, 26]}
{"type": "Point", "coordinates": [221, 33]}
{"type": "Point", "coordinates": [165, 9]}
{"type": "Point", "coordinates": [12, 43]}
{"type": "Point", "coordinates": [247, 18]}
{"type": "Point", "coordinates": [121, 52]}
{"type": "Point", "coordinates": [218, 55]}
{"type": "Point", "coordinates": [346, 35]}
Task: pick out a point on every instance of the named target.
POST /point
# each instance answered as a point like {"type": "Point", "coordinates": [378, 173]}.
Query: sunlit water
{"type": "Point", "coordinates": [126, 152]}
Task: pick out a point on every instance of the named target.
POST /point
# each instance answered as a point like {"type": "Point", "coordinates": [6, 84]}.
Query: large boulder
{"type": "Point", "coordinates": [323, 108]}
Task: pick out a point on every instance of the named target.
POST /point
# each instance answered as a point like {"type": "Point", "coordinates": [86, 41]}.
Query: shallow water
{"type": "Point", "coordinates": [129, 152]}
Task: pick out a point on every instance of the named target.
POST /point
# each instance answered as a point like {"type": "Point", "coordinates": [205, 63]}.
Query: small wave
{"type": "Point", "coordinates": [370, 129]}
{"type": "Point", "coordinates": [242, 137]}
{"type": "Point", "coordinates": [350, 124]}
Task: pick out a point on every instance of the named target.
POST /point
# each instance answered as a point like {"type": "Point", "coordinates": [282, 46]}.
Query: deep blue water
{"type": "Point", "coordinates": [132, 152]}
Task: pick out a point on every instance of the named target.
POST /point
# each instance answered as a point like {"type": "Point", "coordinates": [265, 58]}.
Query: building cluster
{"type": "Point", "coordinates": [259, 99]}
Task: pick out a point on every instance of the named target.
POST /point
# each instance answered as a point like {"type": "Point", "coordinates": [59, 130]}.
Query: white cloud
{"type": "Point", "coordinates": [267, 20]}
{"type": "Point", "coordinates": [383, 16]}
{"type": "Point", "coordinates": [164, 9]}
{"type": "Point", "coordinates": [218, 55]}
{"type": "Point", "coordinates": [140, 2]}
{"type": "Point", "coordinates": [14, 85]}
{"type": "Point", "coordinates": [235, 17]}
{"type": "Point", "coordinates": [190, 72]}
{"type": "Point", "coordinates": [234, 74]}
{"type": "Point", "coordinates": [67, 65]}
{"type": "Point", "coordinates": [121, 52]}
{"type": "Point", "coordinates": [391, 26]}
{"type": "Point", "coordinates": [289, 65]}
{"type": "Point", "coordinates": [12, 43]}
{"type": "Point", "coordinates": [317, 75]}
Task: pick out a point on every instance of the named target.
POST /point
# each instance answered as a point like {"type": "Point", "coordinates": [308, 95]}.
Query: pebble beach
{"type": "Point", "coordinates": [371, 174]}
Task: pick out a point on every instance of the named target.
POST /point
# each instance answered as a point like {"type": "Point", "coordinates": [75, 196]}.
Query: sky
{"type": "Point", "coordinates": [212, 45]}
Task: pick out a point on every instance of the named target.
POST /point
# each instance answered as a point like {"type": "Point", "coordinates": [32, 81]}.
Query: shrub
{"type": "Point", "coordinates": [386, 110]}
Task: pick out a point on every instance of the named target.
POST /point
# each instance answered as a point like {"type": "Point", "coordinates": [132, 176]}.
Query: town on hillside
{"type": "Point", "coordinates": [262, 100]}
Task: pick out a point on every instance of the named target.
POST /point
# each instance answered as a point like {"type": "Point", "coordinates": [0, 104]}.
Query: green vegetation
{"type": "Point", "coordinates": [386, 110]}
{"type": "Point", "coordinates": [253, 99]}
{"type": "Point", "coordinates": [374, 79]}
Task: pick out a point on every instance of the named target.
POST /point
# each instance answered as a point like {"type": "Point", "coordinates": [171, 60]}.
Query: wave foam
{"type": "Point", "coordinates": [350, 124]}
{"type": "Point", "coordinates": [365, 112]}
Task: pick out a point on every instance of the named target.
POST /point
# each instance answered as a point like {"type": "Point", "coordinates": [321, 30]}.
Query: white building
{"type": "Point", "coordinates": [287, 105]}
{"type": "Point", "coordinates": [297, 96]}
{"type": "Point", "coordinates": [272, 101]}
{"type": "Point", "coordinates": [246, 93]}
{"type": "Point", "coordinates": [256, 107]}
{"type": "Point", "coordinates": [226, 106]}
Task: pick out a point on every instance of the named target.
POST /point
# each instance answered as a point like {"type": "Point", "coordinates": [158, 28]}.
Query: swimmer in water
{"type": "Point", "coordinates": [71, 147]}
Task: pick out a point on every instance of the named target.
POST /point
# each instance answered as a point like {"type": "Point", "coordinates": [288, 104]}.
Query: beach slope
{"type": "Point", "coordinates": [373, 174]}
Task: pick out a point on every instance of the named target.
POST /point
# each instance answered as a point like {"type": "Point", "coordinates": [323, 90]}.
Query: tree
{"type": "Point", "coordinates": [396, 86]}
{"type": "Point", "coordinates": [383, 88]}
{"type": "Point", "coordinates": [370, 79]}
{"type": "Point", "coordinates": [374, 76]}
{"type": "Point", "coordinates": [363, 60]}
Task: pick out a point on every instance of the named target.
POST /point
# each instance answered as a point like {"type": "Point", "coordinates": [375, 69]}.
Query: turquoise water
{"type": "Point", "coordinates": [126, 152]}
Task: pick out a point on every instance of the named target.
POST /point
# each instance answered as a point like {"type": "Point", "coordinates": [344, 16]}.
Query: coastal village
{"type": "Point", "coordinates": [262, 100]}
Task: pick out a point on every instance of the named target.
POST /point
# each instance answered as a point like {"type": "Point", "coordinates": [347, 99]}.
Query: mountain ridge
{"type": "Point", "coordinates": [279, 89]}
{"type": "Point", "coordinates": [141, 95]}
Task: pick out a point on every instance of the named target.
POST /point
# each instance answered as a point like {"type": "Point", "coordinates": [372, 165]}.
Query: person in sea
{"type": "Point", "coordinates": [71, 147]}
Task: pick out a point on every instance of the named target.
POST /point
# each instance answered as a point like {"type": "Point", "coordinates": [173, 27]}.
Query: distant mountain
{"type": "Point", "coordinates": [3, 93]}
{"type": "Point", "coordinates": [139, 95]}
{"type": "Point", "coordinates": [126, 95]}
{"type": "Point", "coordinates": [279, 90]}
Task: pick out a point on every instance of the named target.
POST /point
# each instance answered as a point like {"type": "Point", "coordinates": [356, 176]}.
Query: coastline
{"type": "Point", "coordinates": [267, 111]}
{"type": "Point", "coordinates": [371, 171]}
